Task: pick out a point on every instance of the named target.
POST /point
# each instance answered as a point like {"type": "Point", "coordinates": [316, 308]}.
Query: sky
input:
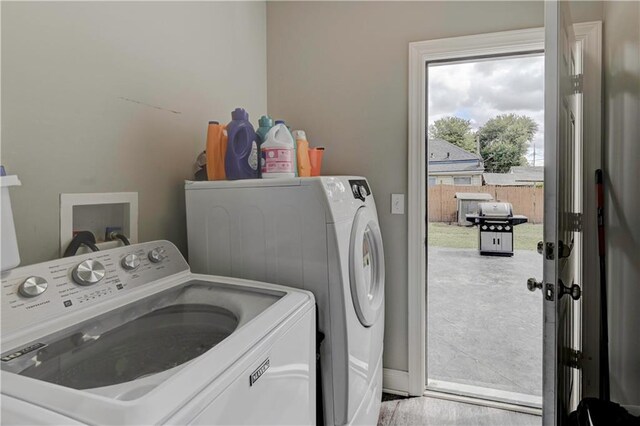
{"type": "Point", "coordinates": [480, 90]}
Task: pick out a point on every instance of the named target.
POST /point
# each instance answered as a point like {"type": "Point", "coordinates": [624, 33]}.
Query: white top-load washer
{"type": "Point", "coordinates": [131, 336]}
{"type": "Point", "coordinates": [320, 234]}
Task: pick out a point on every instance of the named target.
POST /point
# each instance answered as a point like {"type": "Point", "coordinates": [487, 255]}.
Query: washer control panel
{"type": "Point", "coordinates": [88, 272]}
{"type": "Point", "coordinates": [130, 262]}
{"type": "Point", "coordinates": [37, 292]}
{"type": "Point", "coordinates": [33, 286]}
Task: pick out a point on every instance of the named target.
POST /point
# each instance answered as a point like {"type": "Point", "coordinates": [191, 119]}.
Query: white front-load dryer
{"type": "Point", "coordinates": [130, 336]}
{"type": "Point", "coordinates": [320, 234]}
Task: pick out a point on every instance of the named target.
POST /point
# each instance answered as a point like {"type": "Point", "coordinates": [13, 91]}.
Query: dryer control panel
{"type": "Point", "coordinates": [42, 291]}
{"type": "Point", "coordinates": [359, 188]}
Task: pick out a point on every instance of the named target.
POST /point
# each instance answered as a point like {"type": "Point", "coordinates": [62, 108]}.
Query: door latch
{"type": "Point", "coordinates": [548, 251]}
{"type": "Point", "coordinates": [533, 285]}
{"type": "Point", "coordinates": [549, 292]}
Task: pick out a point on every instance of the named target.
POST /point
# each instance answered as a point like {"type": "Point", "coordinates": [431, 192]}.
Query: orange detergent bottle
{"type": "Point", "coordinates": [216, 150]}
{"type": "Point", "coordinates": [304, 166]}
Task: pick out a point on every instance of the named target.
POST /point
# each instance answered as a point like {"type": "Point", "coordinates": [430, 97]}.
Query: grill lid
{"type": "Point", "coordinates": [497, 210]}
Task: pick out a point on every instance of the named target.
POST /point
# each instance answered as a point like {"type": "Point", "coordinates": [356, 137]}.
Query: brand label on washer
{"type": "Point", "coordinates": [258, 372]}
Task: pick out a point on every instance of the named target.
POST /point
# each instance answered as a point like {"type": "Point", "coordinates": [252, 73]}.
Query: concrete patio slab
{"type": "Point", "coordinates": [484, 328]}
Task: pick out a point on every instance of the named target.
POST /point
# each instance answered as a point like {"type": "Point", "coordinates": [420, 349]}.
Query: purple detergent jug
{"type": "Point", "coordinates": [241, 161]}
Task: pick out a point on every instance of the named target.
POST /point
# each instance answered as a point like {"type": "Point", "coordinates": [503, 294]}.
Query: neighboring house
{"type": "Point", "coordinates": [528, 173]}
{"type": "Point", "coordinates": [517, 176]}
{"type": "Point", "coordinates": [452, 165]}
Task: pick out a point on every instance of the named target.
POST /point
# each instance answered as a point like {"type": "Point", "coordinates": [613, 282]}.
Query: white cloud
{"type": "Point", "coordinates": [483, 89]}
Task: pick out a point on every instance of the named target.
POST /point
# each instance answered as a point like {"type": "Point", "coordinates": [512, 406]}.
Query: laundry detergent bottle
{"type": "Point", "coordinates": [216, 151]}
{"type": "Point", "coordinates": [278, 153]}
{"type": "Point", "coordinates": [295, 148]}
{"type": "Point", "coordinates": [241, 161]}
{"type": "Point", "coordinates": [302, 153]}
{"type": "Point", "coordinates": [264, 124]}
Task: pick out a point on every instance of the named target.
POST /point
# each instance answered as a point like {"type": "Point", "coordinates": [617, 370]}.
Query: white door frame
{"type": "Point", "coordinates": [492, 44]}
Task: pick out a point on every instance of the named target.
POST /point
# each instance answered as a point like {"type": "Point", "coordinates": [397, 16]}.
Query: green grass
{"type": "Point", "coordinates": [526, 236]}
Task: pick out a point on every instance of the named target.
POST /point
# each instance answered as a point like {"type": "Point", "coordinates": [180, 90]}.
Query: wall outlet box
{"type": "Point", "coordinates": [397, 203]}
{"type": "Point", "coordinates": [96, 212]}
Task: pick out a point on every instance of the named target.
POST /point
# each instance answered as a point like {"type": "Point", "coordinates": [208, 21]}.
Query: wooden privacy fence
{"type": "Point", "coordinates": [526, 200]}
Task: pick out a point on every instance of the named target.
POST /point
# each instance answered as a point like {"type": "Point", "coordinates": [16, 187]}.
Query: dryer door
{"type": "Point", "coordinates": [366, 266]}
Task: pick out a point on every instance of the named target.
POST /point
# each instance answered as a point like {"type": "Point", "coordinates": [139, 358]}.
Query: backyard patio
{"type": "Point", "coordinates": [484, 328]}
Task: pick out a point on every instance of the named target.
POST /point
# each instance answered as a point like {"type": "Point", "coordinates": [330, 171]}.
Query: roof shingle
{"type": "Point", "coordinates": [445, 157]}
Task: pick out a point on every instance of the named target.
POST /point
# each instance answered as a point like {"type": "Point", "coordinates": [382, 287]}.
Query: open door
{"type": "Point", "coordinates": [561, 248]}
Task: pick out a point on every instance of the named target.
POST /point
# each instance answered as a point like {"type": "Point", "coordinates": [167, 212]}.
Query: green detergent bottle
{"type": "Point", "coordinates": [265, 123]}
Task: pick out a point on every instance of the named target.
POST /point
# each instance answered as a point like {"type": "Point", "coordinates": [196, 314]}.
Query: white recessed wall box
{"type": "Point", "coordinates": [96, 212]}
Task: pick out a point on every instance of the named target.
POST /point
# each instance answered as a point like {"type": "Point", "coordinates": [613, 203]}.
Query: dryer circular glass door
{"type": "Point", "coordinates": [366, 267]}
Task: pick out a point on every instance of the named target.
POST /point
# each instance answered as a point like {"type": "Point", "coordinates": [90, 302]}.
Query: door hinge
{"type": "Point", "coordinates": [573, 358]}
{"type": "Point", "coordinates": [576, 83]}
{"type": "Point", "coordinates": [574, 222]}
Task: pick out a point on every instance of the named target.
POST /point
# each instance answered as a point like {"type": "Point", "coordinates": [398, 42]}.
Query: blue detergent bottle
{"type": "Point", "coordinates": [295, 148]}
{"type": "Point", "coordinates": [241, 161]}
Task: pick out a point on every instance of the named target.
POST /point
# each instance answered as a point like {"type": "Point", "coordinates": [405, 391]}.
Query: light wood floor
{"type": "Point", "coordinates": [440, 412]}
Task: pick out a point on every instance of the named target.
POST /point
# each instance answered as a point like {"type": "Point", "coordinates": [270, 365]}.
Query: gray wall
{"type": "Point", "coordinates": [622, 168]}
{"type": "Point", "coordinates": [71, 71]}
{"type": "Point", "coordinates": [102, 97]}
{"type": "Point", "coordinates": [343, 78]}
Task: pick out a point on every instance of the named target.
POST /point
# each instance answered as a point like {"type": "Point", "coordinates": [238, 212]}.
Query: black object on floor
{"type": "Point", "coordinates": [596, 412]}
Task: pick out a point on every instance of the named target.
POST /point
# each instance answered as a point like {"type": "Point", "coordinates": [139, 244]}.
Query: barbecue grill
{"type": "Point", "coordinates": [495, 223]}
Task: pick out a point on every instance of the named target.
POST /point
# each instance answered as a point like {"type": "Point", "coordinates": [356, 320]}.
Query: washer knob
{"type": "Point", "coordinates": [33, 286]}
{"type": "Point", "coordinates": [157, 255]}
{"type": "Point", "coordinates": [363, 191]}
{"type": "Point", "coordinates": [89, 272]}
{"type": "Point", "coordinates": [130, 262]}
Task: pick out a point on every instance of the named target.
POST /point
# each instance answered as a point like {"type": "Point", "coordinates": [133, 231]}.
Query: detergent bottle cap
{"type": "Point", "coordinates": [265, 121]}
{"type": "Point", "coordinates": [279, 121]}
{"type": "Point", "coordinates": [300, 135]}
{"type": "Point", "coordinates": [214, 122]}
{"type": "Point", "coordinates": [239, 114]}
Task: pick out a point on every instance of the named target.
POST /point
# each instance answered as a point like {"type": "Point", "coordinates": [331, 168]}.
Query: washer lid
{"type": "Point", "coordinates": [366, 266]}
{"type": "Point", "coordinates": [142, 338]}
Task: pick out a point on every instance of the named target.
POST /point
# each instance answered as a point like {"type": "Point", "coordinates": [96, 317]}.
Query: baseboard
{"type": "Point", "coordinates": [395, 382]}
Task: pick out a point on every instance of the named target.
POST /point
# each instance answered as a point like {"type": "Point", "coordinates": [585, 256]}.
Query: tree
{"type": "Point", "coordinates": [504, 141]}
{"type": "Point", "coordinates": [454, 130]}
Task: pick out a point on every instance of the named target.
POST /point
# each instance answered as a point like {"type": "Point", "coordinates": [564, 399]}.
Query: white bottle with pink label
{"type": "Point", "coordinates": [277, 153]}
